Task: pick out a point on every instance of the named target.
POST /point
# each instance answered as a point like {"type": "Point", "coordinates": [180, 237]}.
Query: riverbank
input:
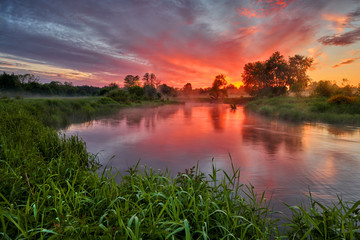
{"type": "Point", "coordinates": [309, 109]}
{"type": "Point", "coordinates": [50, 189]}
{"type": "Point", "coordinates": [228, 100]}
{"type": "Point", "coordinates": [58, 112]}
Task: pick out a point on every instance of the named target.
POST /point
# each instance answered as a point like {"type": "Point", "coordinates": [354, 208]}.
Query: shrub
{"type": "Point", "coordinates": [118, 95]}
{"type": "Point", "coordinates": [341, 99]}
{"type": "Point", "coordinates": [325, 89]}
{"type": "Point", "coordinates": [106, 100]}
{"type": "Point", "coordinates": [136, 92]}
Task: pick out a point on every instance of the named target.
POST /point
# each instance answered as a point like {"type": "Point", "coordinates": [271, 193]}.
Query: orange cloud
{"type": "Point", "coordinates": [320, 58]}
{"type": "Point", "coordinates": [338, 21]}
{"type": "Point", "coordinates": [346, 61]}
{"type": "Point", "coordinates": [263, 8]}
{"type": "Point", "coordinates": [354, 52]}
{"type": "Point", "coordinates": [248, 12]}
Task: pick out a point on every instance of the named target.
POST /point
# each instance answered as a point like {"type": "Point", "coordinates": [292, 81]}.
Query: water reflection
{"type": "Point", "coordinates": [272, 135]}
{"type": "Point", "coordinates": [284, 159]}
{"type": "Point", "coordinates": [217, 116]}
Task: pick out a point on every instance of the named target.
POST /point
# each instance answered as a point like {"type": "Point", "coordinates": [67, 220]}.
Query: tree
{"type": "Point", "coordinates": [218, 88]}
{"type": "Point", "coordinates": [255, 77]}
{"type": "Point", "coordinates": [276, 69]}
{"type": "Point", "coordinates": [131, 80]}
{"type": "Point", "coordinates": [276, 75]}
{"type": "Point", "coordinates": [150, 79]}
{"type": "Point", "coordinates": [187, 89]}
{"type": "Point", "coordinates": [106, 89]}
{"type": "Point", "coordinates": [231, 87]}
{"type": "Point", "coordinates": [9, 81]}
{"type": "Point", "coordinates": [28, 78]}
{"type": "Point", "coordinates": [150, 82]}
{"type": "Point", "coordinates": [146, 79]}
{"type": "Point", "coordinates": [167, 91]}
{"type": "Point", "coordinates": [297, 79]}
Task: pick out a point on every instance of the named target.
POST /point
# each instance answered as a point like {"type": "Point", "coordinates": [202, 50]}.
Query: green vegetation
{"type": "Point", "coordinates": [338, 110]}
{"type": "Point", "coordinates": [50, 189]}
{"type": "Point", "coordinates": [328, 89]}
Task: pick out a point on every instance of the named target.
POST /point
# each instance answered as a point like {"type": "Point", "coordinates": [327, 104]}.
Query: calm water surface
{"type": "Point", "coordinates": [282, 158]}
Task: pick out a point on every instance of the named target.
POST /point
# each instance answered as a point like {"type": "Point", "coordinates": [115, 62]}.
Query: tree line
{"type": "Point", "coordinates": [30, 84]}
{"type": "Point", "coordinates": [272, 77]}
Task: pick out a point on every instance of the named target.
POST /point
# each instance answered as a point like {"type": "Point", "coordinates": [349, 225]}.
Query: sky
{"type": "Point", "coordinates": [96, 42]}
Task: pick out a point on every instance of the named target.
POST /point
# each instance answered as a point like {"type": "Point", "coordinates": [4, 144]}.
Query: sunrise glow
{"type": "Point", "coordinates": [178, 41]}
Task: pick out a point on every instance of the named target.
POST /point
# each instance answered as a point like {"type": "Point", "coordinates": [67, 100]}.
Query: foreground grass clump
{"type": "Point", "coordinates": [50, 189]}
{"type": "Point", "coordinates": [337, 110]}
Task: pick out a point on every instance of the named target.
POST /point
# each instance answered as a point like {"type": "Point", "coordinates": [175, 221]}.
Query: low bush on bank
{"type": "Point", "coordinates": [339, 109]}
{"type": "Point", "coordinates": [342, 99]}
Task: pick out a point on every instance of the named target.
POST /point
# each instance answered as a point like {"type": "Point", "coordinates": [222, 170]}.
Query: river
{"type": "Point", "coordinates": [285, 159]}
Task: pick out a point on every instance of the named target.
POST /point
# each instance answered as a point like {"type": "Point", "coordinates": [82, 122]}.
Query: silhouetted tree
{"type": "Point", "coordinates": [131, 80]}
{"type": "Point", "coordinates": [146, 79]}
{"type": "Point", "coordinates": [29, 83]}
{"type": "Point", "coordinates": [231, 86]}
{"type": "Point", "coordinates": [150, 79]}
{"type": "Point", "coordinates": [9, 81]}
{"type": "Point", "coordinates": [28, 78]}
{"type": "Point", "coordinates": [187, 89]}
{"type": "Point", "coordinates": [276, 75]}
{"type": "Point", "coordinates": [218, 89]}
{"type": "Point", "coordinates": [167, 91]}
{"type": "Point", "coordinates": [110, 87]}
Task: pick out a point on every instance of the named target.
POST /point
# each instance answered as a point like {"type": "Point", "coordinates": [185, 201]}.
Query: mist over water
{"type": "Point", "coordinates": [285, 159]}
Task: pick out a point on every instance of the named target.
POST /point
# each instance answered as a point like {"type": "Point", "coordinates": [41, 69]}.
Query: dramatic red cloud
{"type": "Point", "coordinates": [179, 41]}
{"type": "Point", "coordinates": [263, 8]}
{"type": "Point", "coordinates": [248, 12]}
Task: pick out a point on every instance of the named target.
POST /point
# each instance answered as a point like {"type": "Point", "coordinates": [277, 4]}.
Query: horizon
{"type": "Point", "coordinates": [89, 43]}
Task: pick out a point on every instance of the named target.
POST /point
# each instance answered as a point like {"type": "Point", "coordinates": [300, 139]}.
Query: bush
{"type": "Point", "coordinates": [324, 89]}
{"type": "Point", "coordinates": [150, 92]}
{"type": "Point", "coordinates": [341, 99]}
{"type": "Point", "coordinates": [106, 100]}
{"type": "Point", "coordinates": [136, 92]}
{"type": "Point", "coordinates": [118, 95]}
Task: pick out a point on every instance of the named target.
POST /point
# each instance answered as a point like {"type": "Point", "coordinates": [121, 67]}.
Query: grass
{"type": "Point", "coordinates": [50, 189]}
{"type": "Point", "coordinates": [311, 109]}
{"type": "Point", "coordinates": [60, 112]}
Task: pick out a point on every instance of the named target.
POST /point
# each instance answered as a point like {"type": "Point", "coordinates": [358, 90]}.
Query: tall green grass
{"type": "Point", "coordinates": [311, 109]}
{"type": "Point", "coordinates": [50, 189]}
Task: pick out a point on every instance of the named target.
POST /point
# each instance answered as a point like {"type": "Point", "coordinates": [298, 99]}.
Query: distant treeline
{"type": "Point", "coordinates": [30, 84]}
{"type": "Point", "coordinates": [135, 89]}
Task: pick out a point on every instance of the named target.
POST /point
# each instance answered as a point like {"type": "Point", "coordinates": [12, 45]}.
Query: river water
{"type": "Point", "coordinates": [285, 159]}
